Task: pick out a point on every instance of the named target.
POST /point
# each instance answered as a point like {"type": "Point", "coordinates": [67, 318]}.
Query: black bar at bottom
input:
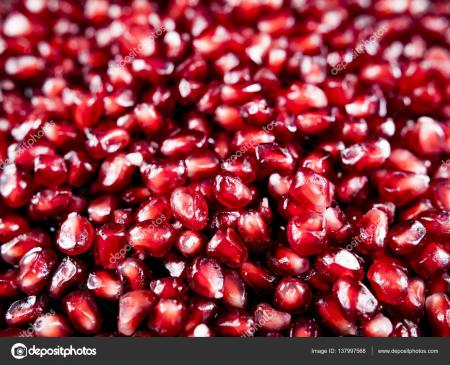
{"type": "Point", "coordinates": [230, 351]}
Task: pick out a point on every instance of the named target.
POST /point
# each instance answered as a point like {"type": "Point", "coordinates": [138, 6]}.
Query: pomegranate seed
{"type": "Point", "coordinates": [134, 307]}
{"type": "Point", "coordinates": [333, 317]}
{"type": "Point", "coordinates": [11, 226]}
{"type": "Point", "coordinates": [388, 281]}
{"type": "Point", "coordinates": [285, 261]}
{"type": "Point", "coordinates": [51, 325]}
{"type": "Point", "coordinates": [292, 295]}
{"type": "Point", "coordinates": [35, 269]}
{"type": "Point", "coordinates": [269, 319]}
{"type": "Point", "coordinates": [190, 208]}
{"type": "Point", "coordinates": [168, 317]}
{"type": "Point", "coordinates": [13, 251]}
{"type": "Point", "coordinates": [379, 326]}
{"type": "Point", "coordinates": [234, 291]}
{"type": "Point", "coordinates": [304, 327]}
{"type": "Point", "coordinates": [164, 177]}
{"type": "Point", "coordinates": [371, 232]}
{"type": "Point", "coordinates": [83, 312]}
{"type": "Point", "coordinates": [26, 310]}
{"type": "Point", "coordinates": [336, 262]}
{"type": "Point", "coordinates": [257, 277]}
{"type": "Point", "coordinates": [306, 233]}
{"type": "Point", "coordinates": [355, 298]}
{"type": "Point", "coordinates": [152, 239]}
{"type": "Point", "coordinates": [405, 237]}
{"type": "Point", "coordinates": [231, 191]}
{"type": "Point", "coordinates": [235, 323]}
{"type": "Point", "coordinates": [75, 236]}
{"type": "Point", "coordinates": [169, 288]}
{"type": "Point", "coordinates": [104, 285]}
{"type": "Point", "coordinates": [227, 247]}
{"type": "Point", "coordinates": [438, 309]}
{"type": "Point", "coordinates": [311, 190]}
{"type": "Point", "coordinates": [206, 277]}
{"type": "Point", "coordinates": [9, 288]}
{"type": "Point", "coordinates": [432, 260]}
{"type": "Point", "coordinates": [190, 243]}
{"type": "Point", "coordinates": [69, 273]}
{"type": "Point", "coordinates": [133, 274]}
{"type": "Point", "coordinates": [15, 186]}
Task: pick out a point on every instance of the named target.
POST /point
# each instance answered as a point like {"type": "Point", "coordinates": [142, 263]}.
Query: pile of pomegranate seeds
{"type": "Point", "coordinates": [225, 168]}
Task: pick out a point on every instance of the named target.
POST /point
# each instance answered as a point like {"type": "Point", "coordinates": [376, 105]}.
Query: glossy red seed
{"type": "Point", "coordinates": [169, 288]}
{"type": "Point", "coordinates": [75, 236]}
{"type": "Point", "coordinates": [388, 281]}
{"type": "Point", "coordinates": [304, 327]}
{"type": "Point", "coordinates": [105, 285]}
{"type": "Point", "coordinates": [52, 325]}
{"type": "Point", "coordinates": [152, 238]}
{"type": "Point", "coordinates": [306, 233]}
{"type": "Point", "coordinates": [355, 298]}
{"type": "Point", "coordinates": [257, 277]}
{"type": "Point", "coordinates": [69, 273]}
{"type": "Point", "coordinates": [432, 260]}
{"type": "Point", "coordinates": [206, 278]}
{"type": "Point", "coordinates": [168, 317]}
{"type": "Point", "coordinates": [9, 288]}
{"type": "Point", "coordinates": [190, 208]}
{"type": "Point", "coordinates": [15, 186]}
{"type": "Point", "coordinates": [234, 290]}
{"type": "Point", "coordinates": [292, 295]}
{"type": "Point", "coordinates": [11, 226]}
{"type": "Point", "coordinates": [300, 97]}
{"type": "Point", "coordinates": [236, 323]}
{"type": "Point", "coordinates": [83, 312]}
{"type": "Point", "coordinates": [371, 231]}
{"type": "Point", "coordinates": [134, 274]}
{"type": "Point", "coordinates": [227, 247]}
{"type": "Point", "coordinates": [285, 261]}
{"type": "Point", "coordinates": [134, 307]}
{"type": "Point", "coordinates": [26, 310]}
{"type": "Point", "coordinates": [379, 326]}
{"type": "Point", "coordinates": [438, 313]}
{"type": "Point", "coordinates": [231, 191]}
{"type": "Point", "coordinates": [13, 251]}
{"type": "Point", "coordinates": [333, 317]}
{"type": "Point", "coordinates": [49, 170]}
{"type": "Point", "coordinates": [190, 243]}
{"type": "Point", "coordinates": [110, 245]}
{"type": "Point", "coordinates": [164, 177]}
{"type": "Point", "coordinates": [269, 319]}
{"type": "Point", "coordinates": [35, 269]}
{"type": "Point", "coordinates": [311, 190]}
{"type": "Point", "coordinates": [337, 262]}
{"type": "Point", "coordinates": [405, 237]}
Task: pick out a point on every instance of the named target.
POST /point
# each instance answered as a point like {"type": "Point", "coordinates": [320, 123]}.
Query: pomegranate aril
{"type": "Point", "coordinates": [406, 328]}
{"type": "Point", "coordinates": [230, 191]}
{"type": "Point", "coordinates": [235, 323]}
{"type": "Point", "coordinates": [150, 238]}
{"type": "Point", "coordinates": [285, 261]}
{"type": "Point", "coordinates": [333, 317]}
{"type": "Point", "coordinates": [227, 247]}
{"type": "Point", "coordinates": [163, 177]}
{"type": "Point", "coordinates": [105, 285]}
{"type": "Point", "coordinates": [292, 295]}
{"type": "Point", "coordinates": [69, 273]}
{"type": "Point", "coordinates": [388, 281]}
{"type": "Point", "coordinates": [49, 170]}
{"type": "Point", "coordinates": [83, 312]}
{"type": "Point", "coordinates": [15, 186]}
{"type": "Point", "coordinates": [311, 190]}
{"type": "Point", "coordinates": [405, 237]}
{"type": "Point", "coordinates": [13, 251]}
{"type": "Point", "coordinates": [134, 274]}
{"type": "Point", "coordinates": [26, 310]}
{"type": "Point", "coordinates": [168, 317]}
{"type": "Point", "coordinates": [234, 290]}
{"type": "Point", "coordinates": [300, 97]}
{"type": "Point", "coordinates": [438, 314]}
{"type": "Point", "coordinates": [269, 319]}
{"type": "Point", "coordinates": [205, 277]}
{"type": "Point", "coordinates": [11, 226]}
{"type": "Point", "coordinates": [257, 277]}
{"type": "Point", "coordinates": [190, 243]}
{"type": "Point", "coordinates": [52, 325]}
{"type": "Point", "coordinates": [169, 288]}
{"type": "Point", "coordinates": [110, 245]}
{"type": "Point", "coordinates": [35, 269]}
{"type": "Point", "coordinates": [431, 261]}
{"type": "Point", "coordinates": [190, 208]}
{"type": "Point", "coordinates": [379, 326]}
{"type": "Point", "coordinates": [134, 307]}
{"type": "Point", "coordinates": [306, 233]}
{"type": "Point", "coordinates": [9, 288]}
{"type": "Point", "coordinates": [304, 327]}
{"type": "Point", "coordinates": [371, 232]}
{"type": "Point", "coordinates": [336, 262]}
{"type": "Point", "coordinates": [75, 235]}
